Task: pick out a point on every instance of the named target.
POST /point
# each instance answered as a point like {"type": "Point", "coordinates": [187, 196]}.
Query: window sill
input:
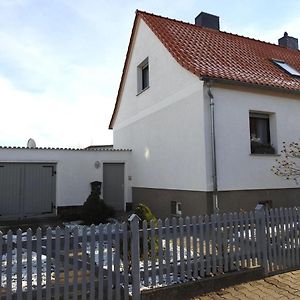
{"type": "Point", "coordinates": [145, 89]}
{"type": "Point", "coordinates": [263, 154]}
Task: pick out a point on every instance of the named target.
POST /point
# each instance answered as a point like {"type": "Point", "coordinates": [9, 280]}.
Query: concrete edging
{"type": "Point", "coordinates": [203, 286]}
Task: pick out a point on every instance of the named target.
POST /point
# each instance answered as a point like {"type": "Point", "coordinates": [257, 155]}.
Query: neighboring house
{"type": "Point", "coordinates": [205, 113]}
{"type": "Point", "coordinates": [49, 181]}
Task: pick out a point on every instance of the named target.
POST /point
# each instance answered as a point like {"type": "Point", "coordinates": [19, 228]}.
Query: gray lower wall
{"type": "Point", "coordinates": [197, 202]}
{"type": "Point", "coordinates": [159, 201]}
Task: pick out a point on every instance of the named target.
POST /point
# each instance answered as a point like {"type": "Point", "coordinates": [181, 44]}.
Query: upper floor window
{"type": "Point", "coordinates": [260, 138]}
{"type": "Point", "coordinates": [143, 76]}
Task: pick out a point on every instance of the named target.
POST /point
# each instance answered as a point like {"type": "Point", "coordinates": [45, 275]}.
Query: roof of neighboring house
{"type": "Point", "coordinates": [64, 149]}
{"type": "Point", "coordinates": [211, 53]}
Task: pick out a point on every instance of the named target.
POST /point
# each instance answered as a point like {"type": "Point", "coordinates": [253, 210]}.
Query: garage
{"type": "Point", "coordinates": [27, 189]}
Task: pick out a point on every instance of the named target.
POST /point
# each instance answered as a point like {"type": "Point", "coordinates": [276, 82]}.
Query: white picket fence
{"type": "Point", "coordinates": [118, 261]}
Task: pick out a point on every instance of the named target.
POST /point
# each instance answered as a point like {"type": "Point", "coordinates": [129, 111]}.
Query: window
{"type": "Point", "coordinates": [260, 134]}
{"type": "Point", "coordinates": [176, 208]}
{"type": "Point", "coordinates": [283, 65]}
{"type": "Point", "coordinates": [143, 76]}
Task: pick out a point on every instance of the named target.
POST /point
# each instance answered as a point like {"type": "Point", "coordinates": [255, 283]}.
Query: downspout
{"type": "Point", "coordinates": [213, 147]}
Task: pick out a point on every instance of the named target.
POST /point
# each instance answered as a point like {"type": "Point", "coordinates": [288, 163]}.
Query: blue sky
{"type": "Point", "coordinates": [61, 60]}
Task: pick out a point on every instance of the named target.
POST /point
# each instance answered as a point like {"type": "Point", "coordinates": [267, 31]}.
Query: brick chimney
{"type": "Point", "coordinates": [207, 20]}
{"type": "Point", "coordinates": [288, 41]}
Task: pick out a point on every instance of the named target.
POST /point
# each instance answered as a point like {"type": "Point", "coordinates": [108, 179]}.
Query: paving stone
{"type": "Point", "coordinates": [282, 286]}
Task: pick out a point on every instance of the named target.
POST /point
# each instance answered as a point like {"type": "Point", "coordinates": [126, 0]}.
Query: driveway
{"type": "Point", "coordinates": [283, 286]}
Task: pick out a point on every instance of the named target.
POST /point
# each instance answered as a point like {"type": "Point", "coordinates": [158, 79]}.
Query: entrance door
{"type": "Point", "coordinates": [113, 185]}
{"type": "Point", "coordinates": [26, 189]}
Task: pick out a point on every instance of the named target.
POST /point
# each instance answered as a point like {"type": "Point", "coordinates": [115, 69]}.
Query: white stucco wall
{"type": "Point", "coordinates": [164, 125]}
{"type": "Point", "coordinates": [237, 168]}
{"type": "Point", "coordinates": [75, 170]}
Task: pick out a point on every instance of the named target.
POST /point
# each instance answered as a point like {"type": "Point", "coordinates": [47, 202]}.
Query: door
{"type": "Point", "coordinates": [26, 189]}
{"type": "Point", "coordinates": [113, 185]}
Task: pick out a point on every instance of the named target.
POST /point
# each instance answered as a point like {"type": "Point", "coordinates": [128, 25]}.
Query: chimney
{"type": "Point", "coordinates": [288, 41]}
{"type": "Point", "coordinates": [207, 20]}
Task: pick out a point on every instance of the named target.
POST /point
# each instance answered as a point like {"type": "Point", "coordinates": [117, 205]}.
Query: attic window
{"type": "Point", "coordinates": [283, 65]}
{"type": "Point", "coordinates": [143, 76]}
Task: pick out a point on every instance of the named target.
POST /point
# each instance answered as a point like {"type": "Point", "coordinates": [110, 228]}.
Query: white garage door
{"type": "Point", "coordinates": [26, 189]}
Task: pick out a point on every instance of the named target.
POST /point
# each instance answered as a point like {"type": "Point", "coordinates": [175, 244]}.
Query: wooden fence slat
{"type": "Point", "coordinates": [9, 266]}
{"type": "Point", "coordinates": [201, 247]}
{"type": "Point", "coordinates": [100, 262]}
{"type": "Point", "coordinates": [160, 252]}
{"type": "Point", "coordinates": [1, 246]}
{"type": "Point", "coordinates": [297, 235]}
{"type": "Point", "coordinates": [207, 245]}
{"type": "Point", "coordinates": [253, 239]}
{"type": "Point", "coordinates": [153, 254]}
{"type": "Point", "coordinates": [285, 239]}
{"type": "Point", "coordinates": [225, 243]}
{"type": "Point", "coordinates": [269, 240]}
{"type": "Point", "coordinates": [195, 248]}
{"type": "Point", "coordinates": [273, 244]}
{"type": "Point", "coordinates": [145, 253]}
{"type": "Point", "coordinates": [219, 243]}
{"type": "Point", "coordinates": [236, 253]}
{"type": "Point", "coordinates": [248, 239]}
{"type": "Point", "coordinates": [213, 233]}
{"type": "Point", "coordinates": [19, 264]}
{"type": "Point", "coordinates": [109, 262]}
{"type": "Point", "coordinates": [125, 260]}
{"type": "Point", "coordinates": [242, 232]}
{"type": "Point", "coordinates": [174, 248]}
{"type": "Point", "coordinates": [57, 263]}
{"type": "Point", "coordinates": [117, 262]}
{"type": "Point", "coordinates": [167, 251]}
{"type": "Point", "coordinates": [181, 243]}
{"type": "Point", "coordinates": [48, 263]}
{"type": "Point", "coordinates": [292, 237]}
{"type": "Point", "coordinates": [92, 262]}
{"type": "Point", "coordinates": [75, 263]}
{"type": "Point", "coordinates": [278, 238]}
{"type": "Point", "coordinates": [66, 254]}
{"type": "Point", "coordinates": [231, 242]}
{"type": "Point", "coordinates": [188, 248]}
{"type": "Point", "coordinates": [39, 262]}
{"type": "Point", "coordinates": [29, 264]}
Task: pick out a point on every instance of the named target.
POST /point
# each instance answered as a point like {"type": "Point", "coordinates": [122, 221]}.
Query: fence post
{"type": "Point", "coordinates": [261, 236]}
{"type": "Point", "coordinates": [135, 256]}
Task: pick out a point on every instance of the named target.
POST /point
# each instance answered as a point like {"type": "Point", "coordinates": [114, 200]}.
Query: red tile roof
{"type": "Point", "coordinates": [215, 54]}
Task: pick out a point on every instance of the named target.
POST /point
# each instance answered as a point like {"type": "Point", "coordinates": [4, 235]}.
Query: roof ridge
{"type": "Point", "coordinates": [214, 30]}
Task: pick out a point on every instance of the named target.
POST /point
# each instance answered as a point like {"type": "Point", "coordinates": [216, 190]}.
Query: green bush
{"type": "Point", "coordinates": [145, 214]}
{"type": "Point", "coordinates": [96, 211]}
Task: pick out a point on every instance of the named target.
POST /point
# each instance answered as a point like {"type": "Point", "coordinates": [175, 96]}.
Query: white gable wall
{"type": "Point", "coordinates": [237, 168]}
{"type": "Point", "coordinates": [164, 125]}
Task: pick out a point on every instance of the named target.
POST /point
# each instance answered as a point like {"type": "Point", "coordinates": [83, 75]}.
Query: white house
{"type": "Point", "coordinates": [205, 113]}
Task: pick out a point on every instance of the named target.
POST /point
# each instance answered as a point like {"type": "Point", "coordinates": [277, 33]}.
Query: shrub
{"type": "Point", "coordinates": [96, 211]}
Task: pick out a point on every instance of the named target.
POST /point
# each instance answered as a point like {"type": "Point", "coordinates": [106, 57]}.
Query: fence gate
{"type": "Point", "coordinates": [26, 189]}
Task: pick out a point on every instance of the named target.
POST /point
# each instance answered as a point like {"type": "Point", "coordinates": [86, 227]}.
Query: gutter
{"type": "Point", "coordinates": [213, 147]}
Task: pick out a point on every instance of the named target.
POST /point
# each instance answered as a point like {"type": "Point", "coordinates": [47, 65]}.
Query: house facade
{"type": "Point", "coordinates": [205, 113]}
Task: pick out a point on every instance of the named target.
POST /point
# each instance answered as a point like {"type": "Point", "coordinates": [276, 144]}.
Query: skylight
{"type": "Point", "coordinates": [282, 64]}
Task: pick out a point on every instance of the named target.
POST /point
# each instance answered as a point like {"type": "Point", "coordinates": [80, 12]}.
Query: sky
{"type": "Point", "coordinates": [61, 60]}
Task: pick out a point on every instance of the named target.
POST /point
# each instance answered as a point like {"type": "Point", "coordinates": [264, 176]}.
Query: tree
{"type": "Point", "coordinates": [286, 166]}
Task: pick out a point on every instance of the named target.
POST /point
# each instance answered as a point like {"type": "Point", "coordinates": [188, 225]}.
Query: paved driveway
{"type": "Point", "coordinates": [283, 286]}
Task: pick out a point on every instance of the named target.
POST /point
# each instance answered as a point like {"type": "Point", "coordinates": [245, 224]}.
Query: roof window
{"type": "Point", "coordinates": [283, 65]}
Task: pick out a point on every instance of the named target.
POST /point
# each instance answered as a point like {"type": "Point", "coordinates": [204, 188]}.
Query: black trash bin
{"type": "Point", "coordinates": [96, 187]}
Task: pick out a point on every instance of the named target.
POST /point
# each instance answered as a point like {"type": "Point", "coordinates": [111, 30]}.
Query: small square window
{"type": "Point", "coordinates": [143, 76]}
{"type": "Point", "coordinates": [260, 134]}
